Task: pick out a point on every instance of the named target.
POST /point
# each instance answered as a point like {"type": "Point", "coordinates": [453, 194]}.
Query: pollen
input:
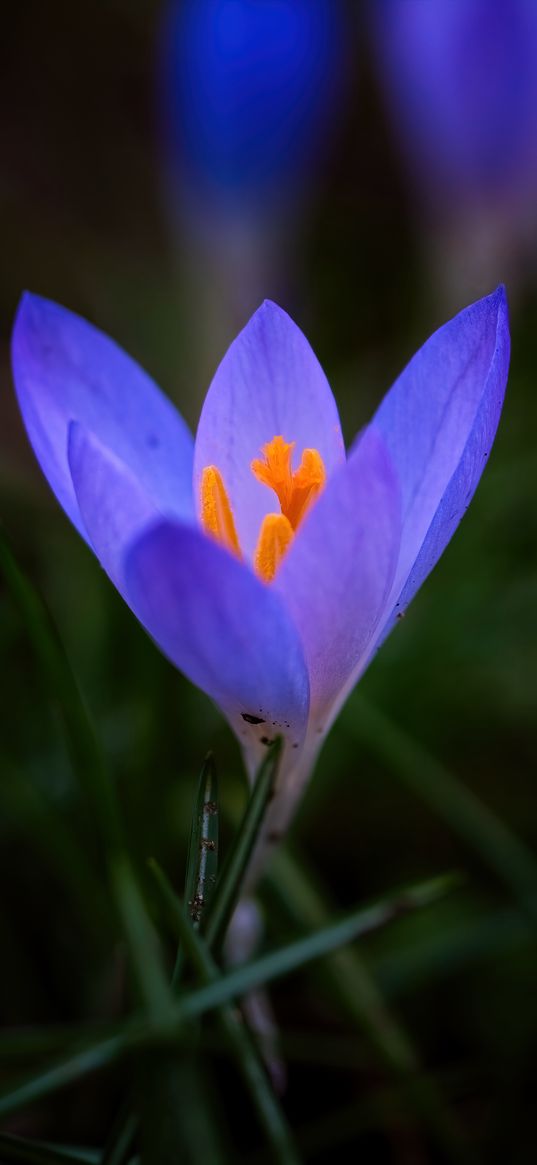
{"type": "Point", "coordinates": [275, 537]}
{"type": "Point", "coordinates": [295, 490]}
{"type": "Point", "coordinates": [216, 513]}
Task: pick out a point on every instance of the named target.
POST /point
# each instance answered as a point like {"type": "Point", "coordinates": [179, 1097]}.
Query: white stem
{"type": "Point", "coordinates": [292, 779]}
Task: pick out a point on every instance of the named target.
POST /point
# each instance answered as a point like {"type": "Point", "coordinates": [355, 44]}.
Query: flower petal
{"type": "Point", "coordinates": [210, 614]}
{"type": "Point", "coordinates": [439, 421]}
{"type": "Point", "coordinates": [113, 507]}
{"type": "Point", "coordinates": [227, 631]}
{"type": "Point", "coordinates": [269, 383]}
{"type": "Point", "coordinates": [339, 571]}
{"type": "Point", "coordinates": [66, 370]}
{"type": "Point", "coordinates": [461, 80]}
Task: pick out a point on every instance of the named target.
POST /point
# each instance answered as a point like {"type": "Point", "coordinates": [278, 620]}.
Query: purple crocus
{"type": "Point", "coordinates": [266, 563]}
{"type": "Point", "coordinates": [250, 102]}
{"type": "Point", "coordinates": [461, 81]}
{"type": "Point", "coordinates": [247, 96]}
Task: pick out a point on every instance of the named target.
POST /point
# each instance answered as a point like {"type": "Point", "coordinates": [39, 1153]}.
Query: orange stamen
{"type": "Point", "coordinates": [275, 537]}
{"type": "Point", "coordinates": [275, 471]}
{"type": "Point", "coordinates": [308, 482]}
{"type": "Point", "coordinates": [216, 513]}
{"type": "Point", "coordinates": [295, 490]}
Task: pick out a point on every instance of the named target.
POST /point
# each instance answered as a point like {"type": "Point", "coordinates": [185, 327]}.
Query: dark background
{"type": "Point", "coordinates": [85, 220]}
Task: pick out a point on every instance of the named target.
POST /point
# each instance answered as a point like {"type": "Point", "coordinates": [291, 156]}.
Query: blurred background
{"type": "Point", "coordinates": [373, 168]}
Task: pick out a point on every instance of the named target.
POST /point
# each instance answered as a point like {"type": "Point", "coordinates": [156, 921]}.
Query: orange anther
{"type": "Point", "coordinates": [275, 537]}
{"type": "Point", "coordinates": [216, 513]}
{"type": "Point", "coordinates": [295, 490]}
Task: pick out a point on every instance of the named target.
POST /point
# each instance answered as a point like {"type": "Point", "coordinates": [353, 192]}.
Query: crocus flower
{"type": "Point", "coordinates": [247, 95]}
{"type": "Point", "coordinates": [266, 563]}
{"type": "Point", "coordinates": [461, 80]}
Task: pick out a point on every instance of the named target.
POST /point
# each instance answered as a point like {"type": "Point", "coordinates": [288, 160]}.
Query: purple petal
{"type": "Point", "coordinates": [227, 631]}
{"type": "Point", "coordinates": [113, 507]}
{"type": "Point", "coordinates": [66, 370]}
{"type": "Point", "coordinates": [339, 571]}
{"type": "Point", "coordinates": [461, 80]}
{"type": "Point", "coordinates": [439, 421]}
{"type": "Point", "coordinates": [269, 383]}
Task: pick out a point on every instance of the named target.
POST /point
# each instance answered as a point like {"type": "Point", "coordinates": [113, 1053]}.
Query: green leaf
{"type": "Point", "coordinates": [62, 686]}
{"type": "Point", "coordinates": [143, 1031]}
{"type": "Point", "coordinates": [239, 1037]}
{"type": "Point", "coordinates": [410, 762]}
{"type": "Point", "coordinates": [357, 992]}
{"type": "Point", "coordinates": [141, 939]}
{"type": "Point", "coordinates": [202, 863]}
{"type": "Point", "coordinates": [451, 946]}
{"type": "Point", "coordinates": [228, 888]}
{"type": "Point", "coordinates": [177, 1123]}
{"type": "Point", "coordinates": [66, 1072]}
{"type": "Point", "coordinates": [21, 1043]}
{"type": "Point", "coordinates": [31, 812]}
{"type": "Point", "coordinates": [291, 957]}
{"type": "Point", "coordinates": [119, 1145]}
{"type": "Point", "coordinates": [18, 1149]}
{"type": "Point", "coordinates": [202, 866]}
{"type": "Point", "coordinates": [89, 767]}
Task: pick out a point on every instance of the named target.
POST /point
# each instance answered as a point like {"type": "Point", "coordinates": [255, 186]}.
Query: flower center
{"type": "Point", "coordinates": [295, 490]}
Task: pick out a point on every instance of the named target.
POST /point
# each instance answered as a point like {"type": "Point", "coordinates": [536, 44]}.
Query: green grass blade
{"type": "Point", "coordinates": [202, 863]}
{"type": "Point", "coordinates": [141, 939]}
{"type": "Point", "coordinates": [119, 1146]}
{"type": "Point", "coordinates": [239, 1037]}
{"type": "Point", "coordinates": [201, 872]}
{"type": "Point", "coordinates": [358, 994]}
{"type": "Point", "coordinates": [221, 990]}
{"type": "Point", "coordinates": [229, 884]}
{"type": "Point", "coordinates": [30, 812]}
{"type": "Point", "coordinates": [14, 1150]}
{"type": "Point", "coordinates": [176, 1118]}
{"type": "Point", "coordinates": [294, 955]}
{"type": "Point", "coordinates": [61, 684]}
{"type": "Point", "coordinates": [306, 905]}
{"type": "Point", "coordinates": [22, 1043]}
{"type": "Point", "coordinates": [89, 767]}
{"type": "Point", "coordinates": [410, 762]}
{"type": "Point", "coordinates": [66, 1072]}
{"type": "Point", "coordinates": [454, 944]}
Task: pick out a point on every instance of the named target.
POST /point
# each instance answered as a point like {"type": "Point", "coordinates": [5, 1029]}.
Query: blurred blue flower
{"type": "Point", "coordinates": [266, 564]}
{"type": "Point", "coordinates": [248, 90]}
{"type": "Point", "coordinates": [461, 80]}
